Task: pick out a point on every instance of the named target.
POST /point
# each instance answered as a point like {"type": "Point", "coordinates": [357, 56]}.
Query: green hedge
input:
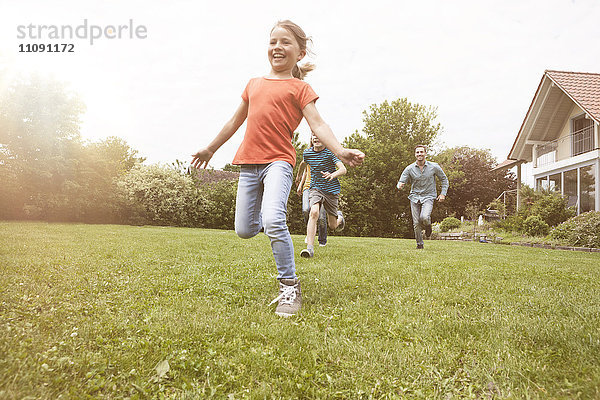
{"type": "Point", "coordinates": [449, 223]}
{"type": "Point", "coordinates": [582, 230]}
{"type": "Point", "coordinates": [534, 225]}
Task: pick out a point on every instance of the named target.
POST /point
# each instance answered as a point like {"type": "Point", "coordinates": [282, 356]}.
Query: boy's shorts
{"type": "Point", "coordinates": [329, 201]}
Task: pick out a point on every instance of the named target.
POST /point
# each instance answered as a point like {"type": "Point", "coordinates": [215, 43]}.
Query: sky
{"type": "Point", "coordinates": [170, 92]}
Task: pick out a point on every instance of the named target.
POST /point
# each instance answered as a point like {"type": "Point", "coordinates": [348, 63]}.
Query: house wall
{"type": "Point", "coordinates": [564, 139]}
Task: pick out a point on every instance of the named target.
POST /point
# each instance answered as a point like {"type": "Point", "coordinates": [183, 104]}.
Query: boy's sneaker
{"type": "Point", "coordinates": [290, 298]}
{"type": "Point", "coordinates": [307, 253]}
{"type": "Point", "coordinates": [419, 247]}
{"type": "Point", "coordinates": [342, 224]}
{"type": "Point", "coordinates": [428, 231]}
{"type": "Point", "coordinates": [323, 244]}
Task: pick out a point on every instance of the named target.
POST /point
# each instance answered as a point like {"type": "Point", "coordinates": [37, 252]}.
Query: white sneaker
{"type": "Point", "coordinates": [307, 253]}
{"type": "Point", "coordinates": [290, 298]}
{"type": "Point", "coordinates": [342, 224]}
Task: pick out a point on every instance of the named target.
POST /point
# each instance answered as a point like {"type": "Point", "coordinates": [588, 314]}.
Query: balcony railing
{"type": "Point", "coordinates": [578, 142]}
{"type": "Point", "coordinates": [583, 140]}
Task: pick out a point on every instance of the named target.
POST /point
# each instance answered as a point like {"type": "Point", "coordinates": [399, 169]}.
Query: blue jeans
{"type": "Point", "coordinates": [261, 202]}
{"type": "Point", "coordinates": [321, 224]}
{"type": "Point", "coordinates": [421, 215]}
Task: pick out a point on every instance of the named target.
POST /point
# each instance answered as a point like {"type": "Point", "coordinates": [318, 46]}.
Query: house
{"type": "Point", "coordinates": [560, 137]}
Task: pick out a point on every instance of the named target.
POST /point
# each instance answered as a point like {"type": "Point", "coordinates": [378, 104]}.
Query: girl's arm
{"type": "Point", "coordinates": [203, 156]}
{"type": "Point", "coordinates": [301, 184]}
{"type": "Point", "coordinates": [301, 172]}
{"type": "Point", "coordinates": [351, 157]}
{"type": "Point", "coordinates": [341, 170]}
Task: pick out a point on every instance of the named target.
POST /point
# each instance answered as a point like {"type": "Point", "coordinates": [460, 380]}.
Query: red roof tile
{"type": "Point", "coordinates": [582, 87]}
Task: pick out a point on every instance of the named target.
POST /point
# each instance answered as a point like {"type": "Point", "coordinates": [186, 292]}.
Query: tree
{"type": "Point", "coordinates": [372, 204]}
{"type": "Point", "coordinates": [94, 189]}
{"type": "Point", "coordinates": [39, 141]}
{"type": "Point", "coordinates": [46, 170]}
{"type": "Point", "coordinates": [472, 180]}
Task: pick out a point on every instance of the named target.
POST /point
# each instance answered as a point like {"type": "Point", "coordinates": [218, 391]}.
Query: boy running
{"type": "Point", "coordinates": [324, 190]}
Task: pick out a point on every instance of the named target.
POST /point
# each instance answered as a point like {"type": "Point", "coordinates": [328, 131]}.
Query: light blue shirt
{"type": "Point", "coordinates": [423, 182]}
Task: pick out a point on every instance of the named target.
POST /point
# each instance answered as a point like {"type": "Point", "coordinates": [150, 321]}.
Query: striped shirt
{"type": "Point", "coordinates": [322, 161]}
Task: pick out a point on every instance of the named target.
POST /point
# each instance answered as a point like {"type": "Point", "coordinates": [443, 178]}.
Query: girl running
{"type": "Point", "coordinates": [274, 105]}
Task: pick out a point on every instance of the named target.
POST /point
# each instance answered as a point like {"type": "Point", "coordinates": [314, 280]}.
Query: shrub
{"type": "Point", "coordinates": [582, 230]}
{"type": "Point", "coordinates": [449, 223]}
{"type": "Point", "coordinates": [220, 204]}
{"type": "Point", "coordinates": [497, 205]}
{"type": "Point", "coordinates": [161, 195]}
{"type": "Point", "coordinates": [552, 208]}
{"type": "Point", "coordinates": [513, 223]}
{"type": "Point", "coordinates": [534, 225]}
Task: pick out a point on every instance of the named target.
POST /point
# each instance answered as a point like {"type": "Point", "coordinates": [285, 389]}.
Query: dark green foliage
{"type": "Point", "coordinates": [472, 180]}
{"type": "Point", "coordinates": [582, 230]}
{"type": "Point", "coordinates": [449, 223]}
{"type": "Point", "coordinates": [552, 208]}
{"type": "Point", "coordinates": [534, 225]}
{"type": "Point", "coordinates": [219, 211]}
{"type": "Point", "coordinates": [512, 223]}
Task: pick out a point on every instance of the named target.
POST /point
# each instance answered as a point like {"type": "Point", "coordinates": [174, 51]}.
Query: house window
{"type": "Point", "coordinates": [587, 187]}
{"type": "Point", "coordinates": [582, 136]}
{"type": "Point", "coordinates": [541, 184]}
{"type": "Point", "coordinates": [571, 187]}
{"type": "Point", "coordinates": [554, 182]}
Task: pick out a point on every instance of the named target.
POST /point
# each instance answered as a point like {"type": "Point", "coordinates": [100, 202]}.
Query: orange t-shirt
{"type": "Point", "coordinates": [274, 112]}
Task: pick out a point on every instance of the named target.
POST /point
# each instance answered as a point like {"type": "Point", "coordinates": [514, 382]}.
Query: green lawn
{"type": "Point", "coordinates": [93, 311]}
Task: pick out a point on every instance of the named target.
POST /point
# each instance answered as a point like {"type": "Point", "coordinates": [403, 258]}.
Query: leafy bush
{"type": "Point", "coordinates": [534, 225]}
{"type": "Point", "coordinates": [497, 205]}
{"type": "Point", "coordinates": [161, 195]}
{"type": "Point", "coordinates": [513, 223]}
{"type": "Point", "coordinates": [220, 204]}
{"type": "Point", "coordinates": [449, 223]}
{"type": "Point", "coordinates": [552, 208]}
{"type": "Point", "coordinates": [582, 230]}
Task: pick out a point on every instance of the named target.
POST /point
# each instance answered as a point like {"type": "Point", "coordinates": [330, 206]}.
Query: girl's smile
{"type": "Point", "coordinates": [284, 52]}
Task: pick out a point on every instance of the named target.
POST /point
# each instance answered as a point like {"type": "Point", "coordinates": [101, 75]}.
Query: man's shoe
{"type": "Point", "coordinates": [420, 247]}
{"type": "Point", "coordinates": [290, 298]}
{"type": "Point", "coordinates": [323, 244]}
{"type": "Point", "coordinates": [428, 231]}
{"type": "Point", "coordinates": [307, 253]}
{"type": "Point", "coordinates": [342, 224]}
